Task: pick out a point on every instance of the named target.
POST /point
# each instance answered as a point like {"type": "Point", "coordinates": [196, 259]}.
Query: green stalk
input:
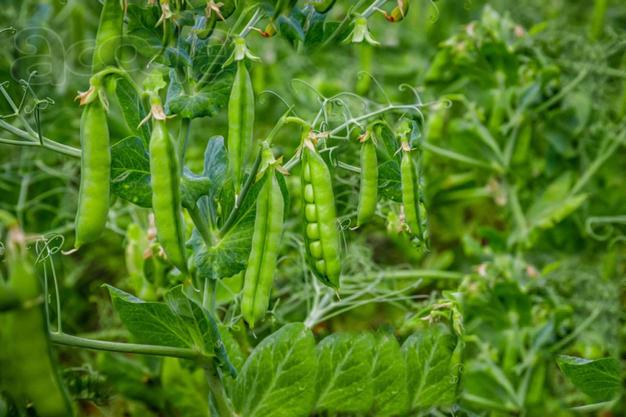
{"type": "Point", "coordinates": [81, 342]}
{"type": "Point", "coordinates": [597, 19]}
{"type": "Point", "coordinates": [222, 402]}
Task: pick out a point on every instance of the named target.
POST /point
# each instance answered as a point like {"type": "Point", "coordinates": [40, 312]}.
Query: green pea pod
{"type": "Point", "coordinates": [166, 200]}
{"type": "Point", "coordinates": [437, 125]}
{"type": "Point", "coordinates": [28, 370]}
{"type": "Point", "coordinates": [414, 210]}
{"type": "Point", "coordinates": [109, 35]}
{"type": "Point", "coordinates": [409, 192]}
{"type": "Point", "coordinates": [322, 236]}
{"type": "Point", "coordinates": [240, 122]}
{"type": "Point", "coordinates": [268, 228]}
{"type": "Point", "coordinates": [93, 198]}
{"type": "Point", "coordinates": [368, 193]}
{"type": "Point", "coordinates": [366, 60]}
{"type": "Point", "coordinates": [323, 6]}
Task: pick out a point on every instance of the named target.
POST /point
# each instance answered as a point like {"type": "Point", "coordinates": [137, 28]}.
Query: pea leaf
{"type": "Point", "coordinates": [179, 322]}
{"type": "Point", "coordinates": [344, 381]}
{"type": "Point", "coordinates": [432, 367]}
{"type": "Point", "coordinates": [290, 29]}
{"type": "Point", "coordinates": [209, 60]}
{"type": "Point", "coordinates": [389, 183]}
{"type": "Point", "coordinates": [193, 187]}
{"type": "Point", "coordinates": [205, 101]}
{"type": "Point", "coordinates": [315, 29]}
{"type": "Point", "coordinates": [143, 34]}
{"type": "Point", "coordinates": [229, 254]}
{"type": "Point", "coordinates": [132, 109]}
{"type": "Point", "coordinates": [278, 379]}
{"type": "Point", "coordinates": [185, 389]}
{"type": "Point", "coordinates": [390, 384]}
{"type": "Point", "coordinates": [130, 171]}
{"type": "Point", "coordinates": [599, 379]}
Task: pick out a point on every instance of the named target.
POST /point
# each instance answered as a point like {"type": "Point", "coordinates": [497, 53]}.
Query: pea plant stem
{"type": "Point", "coordinates": [373, 7]}
{"type": "Point", "coordinates": [155, 350]}
{"type": "Point", "coordinates": [343, 23]}
{"type": "Point", "coordinates": [597, 18]}
{"type": "Point", "coordinates": [251, 23]}
{"type": "Point", "coordinates": [32, 140]}
{"type": "Point", "coordinates": [325, 306]}
{"type": "Point", "coordinates": [222, 403]}
{"type": "Point", "coordinates": [370, 115]}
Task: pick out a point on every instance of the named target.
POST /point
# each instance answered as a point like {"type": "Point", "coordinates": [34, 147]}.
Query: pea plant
{"type": "Point", "coordinates": [230, 219]}
{"type": "Point", "coordinates": [296, 248]}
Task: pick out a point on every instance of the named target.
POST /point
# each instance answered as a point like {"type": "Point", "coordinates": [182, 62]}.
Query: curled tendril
{"type": "Point", "coordinates": [344, 224]}
{"type": "Point", "coordinates": [275, 94]}
{"type": "Point", "coordinates": [309, 85]}
{"type": "Point", "coordinates": [48, 246]}
{"type": "Point", "coordinates": [404, 87]}
{"type": "Point", "coordinates": [38, 103]}
{"type": "Point", "coordinates": [604, 227]}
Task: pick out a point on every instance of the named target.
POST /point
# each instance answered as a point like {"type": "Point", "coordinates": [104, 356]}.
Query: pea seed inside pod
{"type": "Point", "coordinates": [320, 216]}
{"type": "Point", "coordinates": [313, 231]}
{"type": "Point", "coordinates": [316, 249]}
{"type": "Point", "coordinates": [309, 195]}
{"type": "Point", "coordinates": [310, 212]}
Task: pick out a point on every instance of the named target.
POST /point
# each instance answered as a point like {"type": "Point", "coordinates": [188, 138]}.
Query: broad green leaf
{"type": "Point", "coordinates": [209, 60]}
{"type": "Point", "coordinates": [205, 101]}
{"type": "Point", "coordinates": [290, 29]}
{"type": "Point", "coordinates": [154, 323]}
{"type": "Point", "coordinates": [278, 379]}
{"type": "Point", "coordinates": [130, 171]}
{"type": "Point", "coordinates": [143, 34]}
{"type": "Point", "coordinates": [179, 322]}
{"type": "Point", "coordinates": [187, 390]}
{"type": "Point", "coordinates": [314, 22]}
{"type": "Point", "coordinates": [600, 379]}
{"type": "Point", "coordinates": [344, 379]}
{"type": "Point", "coordinates": [132, 109]}
{"type": "Point", "coordinates": [432, 367]}
{"type": "Point", "coordinates": [192, 187]}
{"type": "Point", "coordinates": [229, 254]}
{"type": "Point", "coordinates": [387, 147]}
{"type": "Point", "coordinates": [232, 347]}
{"type": "Point", "coordinates": [215, 165]}
{"type": "Point", "coordinates": [390, 379]}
